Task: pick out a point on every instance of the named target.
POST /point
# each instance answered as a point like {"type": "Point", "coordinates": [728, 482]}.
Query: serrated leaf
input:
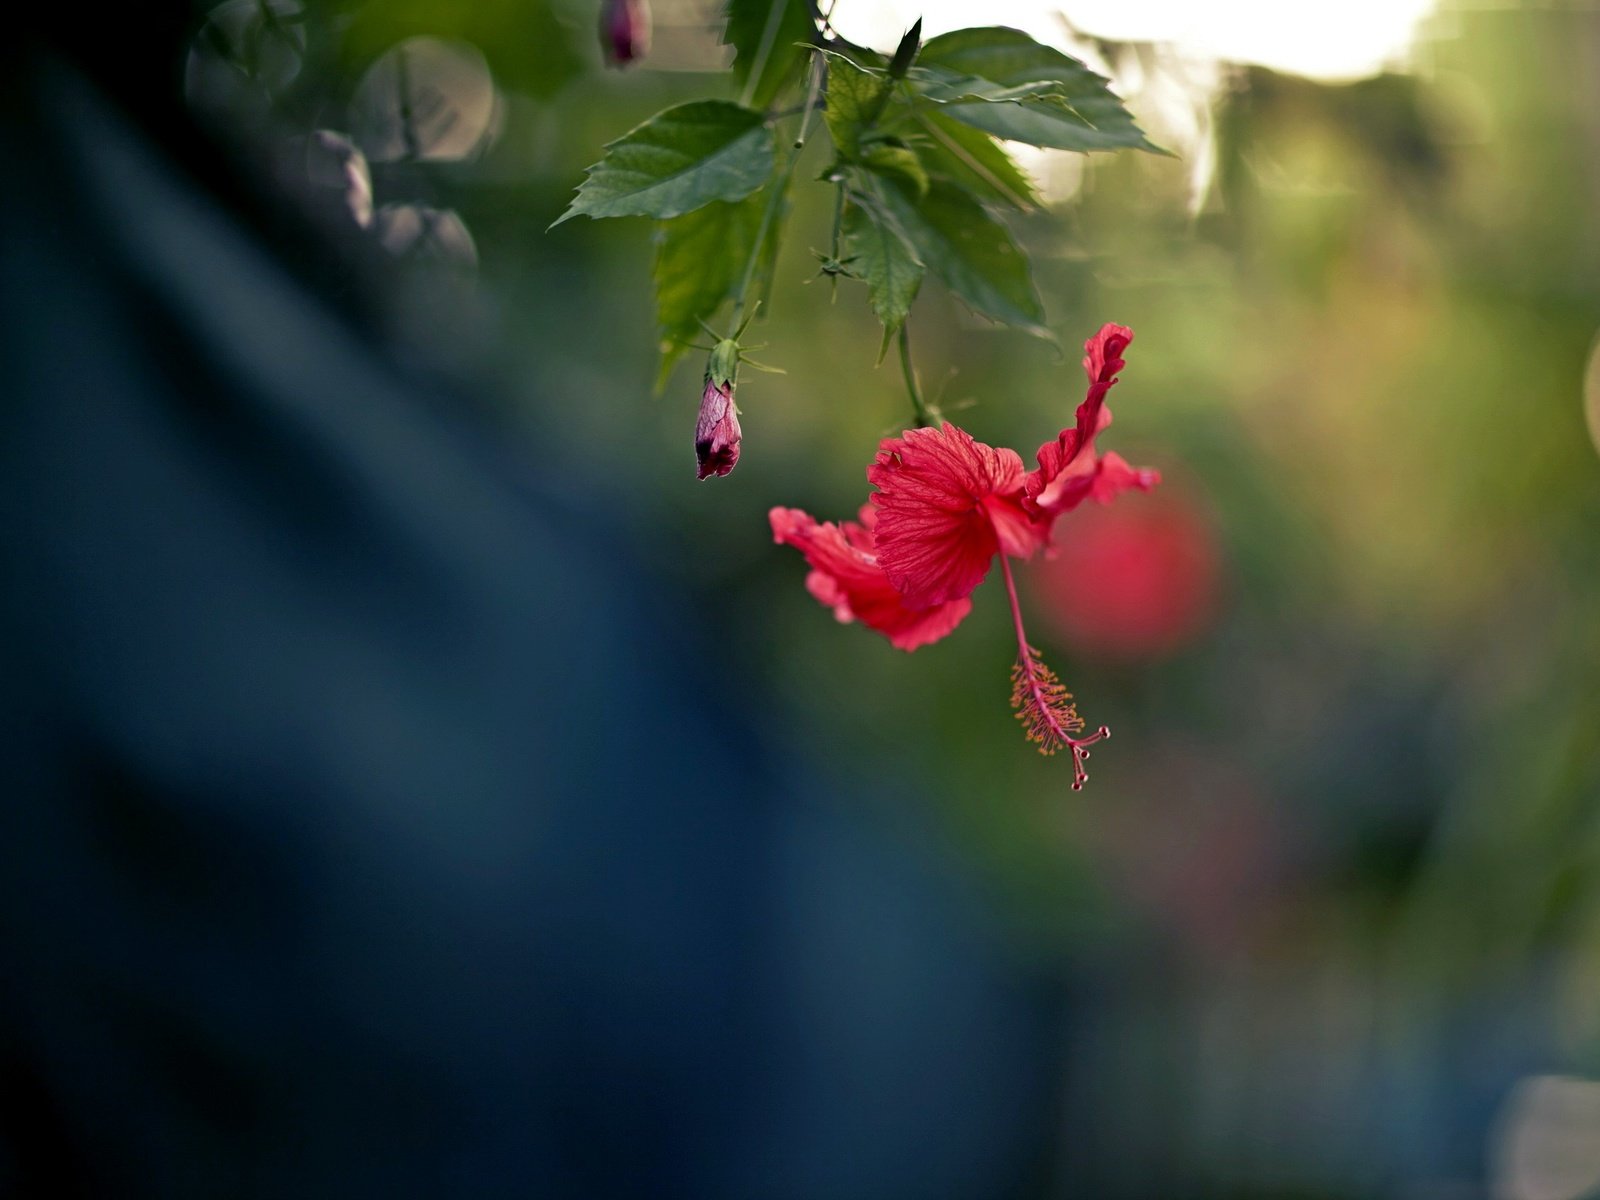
{"type": "Point", "coordinates": [701, 258]}
{"type": "Point", "coordinates": [854, 99]}
{"type": "Point", "coordinates": [1055, 122]}
{"type": "Point", "coordinates": [972, 159]}
{"type": "Point", "coordinates": [1007, 57]}
{"type": "Point", "coordinates": [862, 56]}
{"type": "Point", "coordinates": [970, 252]}
{"type": "Point", "coordinates": [1003, 82]}
{"type": "Point", "coordinates": [885, 259]}
{"type": "Point", "coordinates": [677, 161]}
{"type": "Point", "coordinates": [946, 87]}
{"type": "Point", "coordinates": [899, 162]}
{"type": "Point", "coordinates": [767, 37]}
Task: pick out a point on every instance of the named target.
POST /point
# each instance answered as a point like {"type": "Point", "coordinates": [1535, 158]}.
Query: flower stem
{"type": "Point", "coordinates": [779, 185]}
{"type": "Point", "coordinates": [833, 267]}
{"type": "Point", "coordinates": [811, 104]}
{"type": "Point", "coordinates": [769, 35]}
{"type": "Point", "coordinates": [810, 101]}
{"type": "Point", "coordinates": [925, 416]}
{"type": "Point", "coordinates": [838, 219]}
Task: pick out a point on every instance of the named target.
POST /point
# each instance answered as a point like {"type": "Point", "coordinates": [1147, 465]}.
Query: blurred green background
{"type": "Point", "coordinates": [1329, 908]}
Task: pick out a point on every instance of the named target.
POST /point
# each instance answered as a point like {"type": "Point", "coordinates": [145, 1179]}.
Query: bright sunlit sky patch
{"type": "Point", "coordinates": [1325, 39]}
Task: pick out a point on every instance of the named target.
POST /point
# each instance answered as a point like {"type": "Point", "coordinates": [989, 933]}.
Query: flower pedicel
{"type": "Point", "coordinates": [946, 505]}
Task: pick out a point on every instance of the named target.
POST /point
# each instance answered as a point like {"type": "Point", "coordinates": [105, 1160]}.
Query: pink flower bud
{"type": "Point", "coordinates": [624, 31]}
{"type": "Point", "coordinates": [716, 433]}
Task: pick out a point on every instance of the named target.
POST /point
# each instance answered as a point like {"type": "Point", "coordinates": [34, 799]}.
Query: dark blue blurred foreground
{"type": "Point", "coordinates": [373, 823]}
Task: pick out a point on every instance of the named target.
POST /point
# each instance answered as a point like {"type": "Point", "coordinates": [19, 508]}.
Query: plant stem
{"type": "Point", "coordinates": [836, 245]}
{"type": "Point", "coordinates": [769, 34]}
{"type": "Point", "coordinates": [795, 110]}
{"type": "Point", "coordinates": [838, 219]}
{"type": "Point", "coordinates": [827, 17]}
{"type": "Point", "coordinates": [779, 184]}
{"type": "Point", "coordinates": [925, 416]}
{"type": "Point", "coordinates": [810, 105]}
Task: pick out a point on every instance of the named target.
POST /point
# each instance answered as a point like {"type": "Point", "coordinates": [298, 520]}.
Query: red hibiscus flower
{"type": "Point", "coordinates": [1135, 583]}
{"type": "Point", "coordinates": [946, 507]}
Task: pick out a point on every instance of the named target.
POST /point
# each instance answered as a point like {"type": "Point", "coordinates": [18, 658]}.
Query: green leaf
{"type": "Point", "coordinates": [855, 98]}
{"type": "Point", "coordinates": [944, 87]}
{"type": "Point", "coordinates": [885, 259]}
{"type": "Point", "coordinates": [1055, 122]}
{"type": "Point", "coordinates": [677, 161]}
{"type": "Point", "coordinates": [970, 252]}
{"type": "Point", "coordinates": [1003, 82]}
{"type": "Point", "coordinates": [862, 56]}
{"type": "Point", "coordinates": [972, 159]}
{"type": "Point", "coordinates": [766, 36]}
{"type": "Point", "coordinates": [901, 162]}
{"type": "Point", "coordinates": [1007, 57]}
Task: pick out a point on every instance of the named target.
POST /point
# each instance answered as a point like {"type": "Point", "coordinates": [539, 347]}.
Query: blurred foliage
{"type": "Point", "coordinates": [1335, 886]}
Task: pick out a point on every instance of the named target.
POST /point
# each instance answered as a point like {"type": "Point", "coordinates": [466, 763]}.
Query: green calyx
{"type": "Point", "coordinates": [722, 368]}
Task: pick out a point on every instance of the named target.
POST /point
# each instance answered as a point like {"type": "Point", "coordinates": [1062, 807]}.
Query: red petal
{"type": "Point", "coordinates": [1017, 531]}
{"type": "Point", "coordinates": [1115, 476]}
{"type": "Point", "coordinates": [1063, 477]}
{"type": "Point", "coordinates": [934, 535]}
{"type": "Point", "coordinates": [1103, 352]}
{"type": "Point", "coordinates": [1102, 360]}
{"type": "Point", "coordinates": [845, 576]}
{"type": "Point", "coordinates": [1067, 466]}
{"type": "Point", "coordinates": [716, 431]}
